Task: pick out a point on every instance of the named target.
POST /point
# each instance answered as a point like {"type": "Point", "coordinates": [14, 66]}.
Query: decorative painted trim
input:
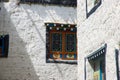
{"type": "Point", "coordinates": [62, 61]}
{"type": "Point", "coordinates": [61, 27]}
{"type": "Point", "coordinates": [60, 56]}
{"type": "Point", "coordinates": [97, 53]}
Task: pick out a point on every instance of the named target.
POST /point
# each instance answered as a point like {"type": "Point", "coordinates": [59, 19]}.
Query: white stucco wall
{"type": "Point", "coordinates": [101, 27]}
{"type": "Point", "coordinates": [27, 51]}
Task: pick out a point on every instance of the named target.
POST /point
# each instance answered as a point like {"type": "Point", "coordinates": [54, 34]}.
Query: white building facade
{"type": "Point", "coordinates": [98, 41]}
{"type": "Point", "coordinates": [25, 24]}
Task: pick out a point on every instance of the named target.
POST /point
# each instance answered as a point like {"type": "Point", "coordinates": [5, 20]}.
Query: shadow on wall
{"type": "Point", "coordinates": [26, 58]}
{"type": "Point", "coordinates": [52, 13]}
{"type": "Point", "coordinates": [38, 15]}
{"type": "Point", "coordinates": [18, 65]}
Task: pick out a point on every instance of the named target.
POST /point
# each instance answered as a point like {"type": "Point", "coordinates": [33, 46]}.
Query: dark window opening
{"type": "Point", "coordinates": [54, 2]}
{"type": "Point", "coordinates": [4, 0]}
{"type": "Point", "coordinates": [4, 45]}
{"type": "Point", "coordinates": [117, 57]}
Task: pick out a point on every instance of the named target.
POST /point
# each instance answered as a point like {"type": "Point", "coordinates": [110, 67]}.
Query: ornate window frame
{"type": "Point", "coordinates": [61, 43]}
{"type": "Point", "coordinates": [95, 63]}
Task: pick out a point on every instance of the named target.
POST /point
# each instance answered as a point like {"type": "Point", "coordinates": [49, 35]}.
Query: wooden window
{"type": "Point", "coordinates": [56, 44]}
{"type": "Point", "coordinates": [70, 42]}
{"type": "Point", "coordinates": [61, 41]}
{"type": "Point", "coordinates": [97, 64]}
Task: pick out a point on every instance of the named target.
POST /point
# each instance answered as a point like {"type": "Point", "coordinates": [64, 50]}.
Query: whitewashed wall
{"type": "Point", "coordinates": [27, 51]}
{"type": "Point", "coordinates": [103, 26]}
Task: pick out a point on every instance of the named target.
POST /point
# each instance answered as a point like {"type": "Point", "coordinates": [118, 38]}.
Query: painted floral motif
{"type": "Point", "coordinates": [56, 55]}
{"type": "Point", "coordinates": [70, 56]}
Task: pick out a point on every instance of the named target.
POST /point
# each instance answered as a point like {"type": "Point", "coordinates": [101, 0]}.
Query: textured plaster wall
{"type": "Point", "coordinates": [103, 26]}
{"type": "Point", "coordinates": [27, 51]}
